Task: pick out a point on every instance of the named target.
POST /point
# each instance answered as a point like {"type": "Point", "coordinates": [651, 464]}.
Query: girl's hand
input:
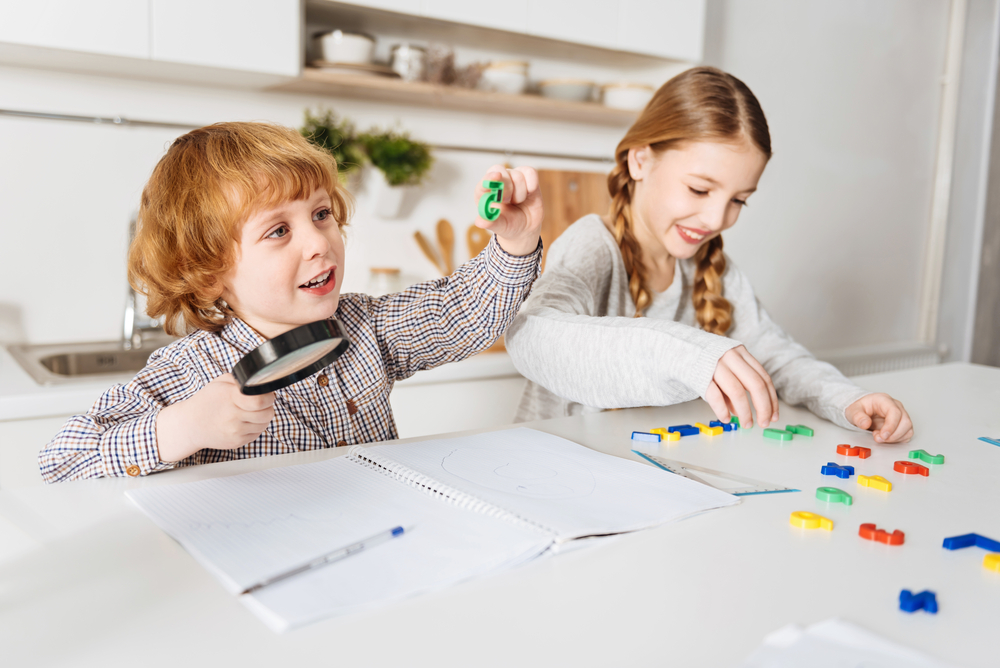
{"type": "Point", "coordinates": [883, 416]}
{"type": "Point", "coordinates": [736, 374]}
{"type": "Point", "coordinates": [517, 228]}
{"type": "Point", "coordinates": [217, 416]}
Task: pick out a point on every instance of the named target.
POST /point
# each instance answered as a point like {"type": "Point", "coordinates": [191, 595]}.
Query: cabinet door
{"type": "Point", "coordinates": [510, 15]}
{"type": "Point", "coordinates": [111, 27]}
{"type": "Point", "coordinates": [666, 28]}
{"type": "Point", "coordinates": [591, 22]}
{"type": "Point", "coordinates": [251, 35]}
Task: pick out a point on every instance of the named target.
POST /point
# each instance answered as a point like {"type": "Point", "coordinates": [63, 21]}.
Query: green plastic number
{"type": "Point", "coordinates": [834, 495]}
{"type": "Point", "coordinates": [489, 208]}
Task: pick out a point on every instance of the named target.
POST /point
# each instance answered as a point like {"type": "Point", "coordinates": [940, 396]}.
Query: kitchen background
{"type": "Point", "coordinates": [864, 239]}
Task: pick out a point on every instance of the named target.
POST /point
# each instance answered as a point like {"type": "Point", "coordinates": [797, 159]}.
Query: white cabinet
{"type": "Point", "coordinates": [591, 22]}
{"type": "Point", "coordinates": [665, 28]}
{"type": "Point", "coordinates": [252, 35]}
{"type": "Point", "coordinates": [509, 15]}
{"type": "Point", "coordinates": [108, 27]}
{"type": "Point", "coordinates": [442, 408]}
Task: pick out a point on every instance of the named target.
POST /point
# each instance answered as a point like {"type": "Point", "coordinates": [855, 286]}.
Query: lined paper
{"type": "Point", "coordinates": [249, 527]}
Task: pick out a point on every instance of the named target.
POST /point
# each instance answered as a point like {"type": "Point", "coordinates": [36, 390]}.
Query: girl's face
{"type": "Point", "coordinates": [290, 266]}
{"type": "Point", "coordinates": [686, 195]}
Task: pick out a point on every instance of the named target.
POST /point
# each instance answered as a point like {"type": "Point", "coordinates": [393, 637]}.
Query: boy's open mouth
{"type": "Point", "coordinates": [320, 281]}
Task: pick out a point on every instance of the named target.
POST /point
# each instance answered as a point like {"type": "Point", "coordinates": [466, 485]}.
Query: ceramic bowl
{"type": "Point", "coordinates": [345, 47]}
{"type": "Point", "coordinates": [505, 77]}
{"type": "Point", "coordinates": [571, 90]}
{"type": "Point", "coordinates": [629, 96]}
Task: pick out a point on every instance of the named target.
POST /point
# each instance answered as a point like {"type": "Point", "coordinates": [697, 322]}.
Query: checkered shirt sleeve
{"type": "Point", "coordinates": [392, 337]}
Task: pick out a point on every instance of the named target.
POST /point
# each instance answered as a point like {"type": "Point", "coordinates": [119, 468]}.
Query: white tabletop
{"type": "Point", "coordinates": [87, 580]}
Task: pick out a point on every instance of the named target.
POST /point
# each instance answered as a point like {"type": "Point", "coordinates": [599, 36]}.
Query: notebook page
{"type": "Point", "coordinates": [249, 527]}
{"type": "Point", "coordinates": [432, 557]}
{"type": "Point", "coordinates": [566, 487]}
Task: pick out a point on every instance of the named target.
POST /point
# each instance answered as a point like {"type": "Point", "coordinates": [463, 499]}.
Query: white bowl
{"type": "Point", "coordinates": [571, 90]}
{"type": "Point", "coordinates": [345, 47]}
{"type": "Point", "coordinates": [517, 66]}
{"type": "Point", "coordinates": [633, 97]}
{"type": "Point", "coordinates": [503, 81]}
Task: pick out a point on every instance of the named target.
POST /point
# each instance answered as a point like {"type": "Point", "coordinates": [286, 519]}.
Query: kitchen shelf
{"type": "Point", "coordinates": [383, 89]}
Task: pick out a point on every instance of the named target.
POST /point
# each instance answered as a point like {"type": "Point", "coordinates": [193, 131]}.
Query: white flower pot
{"type": "Point", "coordinates": [387, 200]}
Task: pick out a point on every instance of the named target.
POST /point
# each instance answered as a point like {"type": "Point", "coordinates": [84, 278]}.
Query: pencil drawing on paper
{"type": "Point", "coordinates": [540, 475]}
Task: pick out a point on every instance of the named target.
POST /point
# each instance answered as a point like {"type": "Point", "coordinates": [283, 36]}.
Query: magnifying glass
{"type": "Point", "coordinates": [291, 357]}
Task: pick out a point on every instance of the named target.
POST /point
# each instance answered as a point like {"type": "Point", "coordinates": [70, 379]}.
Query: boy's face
{"type": "Point", "coordinates": [290, 266]}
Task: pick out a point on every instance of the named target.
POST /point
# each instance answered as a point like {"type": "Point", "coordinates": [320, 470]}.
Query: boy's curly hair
{"type": "Point", "coordinates": [208, 184]}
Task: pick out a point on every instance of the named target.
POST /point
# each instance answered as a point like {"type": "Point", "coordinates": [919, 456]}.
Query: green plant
{"type": "Point", "coordinates": [403, 161]}
{"type": "Point", "coordinates": [337, 136]}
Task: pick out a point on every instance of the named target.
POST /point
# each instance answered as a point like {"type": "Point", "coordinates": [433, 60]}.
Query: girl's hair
{"type": "Point", "coordinates": [208, 184]}
{"type": "Point", "coordinates": [700, 104]}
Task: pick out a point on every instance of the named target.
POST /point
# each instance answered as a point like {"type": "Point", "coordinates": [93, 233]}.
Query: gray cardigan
{"type": "Point", "coordinates": [576, 342]}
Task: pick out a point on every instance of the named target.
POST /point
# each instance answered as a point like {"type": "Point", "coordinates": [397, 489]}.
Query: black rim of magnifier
{"type": "Point", "coordinates": [270, 351]}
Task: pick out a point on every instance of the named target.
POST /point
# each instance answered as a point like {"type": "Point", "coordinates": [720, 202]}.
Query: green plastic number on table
{"type": "Point", "coordinates": [834, 495]}
{"type": "Point", "coordinates": [926, 456]}
{"type": "Point", "coordinates": [489, 208]}
{"type": "Point", "coordinates": [778, 434]}
{"type": "Point", "coordinates": [799, 429]}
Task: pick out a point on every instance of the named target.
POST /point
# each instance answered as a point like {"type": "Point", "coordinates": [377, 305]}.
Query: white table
{"type": "Point", "coordinates": [86, 580]}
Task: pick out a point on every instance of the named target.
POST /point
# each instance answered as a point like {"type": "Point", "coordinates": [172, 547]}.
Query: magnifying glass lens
{"type": "Point", "coordinates": [293, 361]}
{"type": "Point", "coordinates": [291, 357]}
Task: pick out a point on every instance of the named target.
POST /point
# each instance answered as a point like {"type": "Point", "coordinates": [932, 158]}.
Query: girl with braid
{"type": "Point", "coordinates": [641, 307]}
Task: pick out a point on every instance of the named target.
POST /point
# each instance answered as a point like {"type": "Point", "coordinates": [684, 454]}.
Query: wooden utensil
{"type": "Point", "coordinates": [477, 238]}
{"type": "Point", "coordinates": [428, 250]}
{"type": "Point", "coordinates": [446, 244]}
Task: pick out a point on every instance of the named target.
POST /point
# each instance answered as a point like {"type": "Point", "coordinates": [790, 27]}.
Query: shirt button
{"type": "Point", "coordinates": [341, 444]}
{"type": "Point", "coordinates": [132, 470]}
{"type": "Point", "coordinates": [323, 381]}
{"type": "Point", "coordinates": [351, 407]}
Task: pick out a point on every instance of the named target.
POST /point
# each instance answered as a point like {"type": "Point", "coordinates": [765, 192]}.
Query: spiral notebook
{"type": "Point", "coordinates": [471, 505]}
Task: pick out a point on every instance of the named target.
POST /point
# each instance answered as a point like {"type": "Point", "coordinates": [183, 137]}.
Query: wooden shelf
{"type": "Point", "coordinates": [384, 89]}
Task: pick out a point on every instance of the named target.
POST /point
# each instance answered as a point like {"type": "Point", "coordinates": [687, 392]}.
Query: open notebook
{"type": "Point", "coordinates": [470, 505]}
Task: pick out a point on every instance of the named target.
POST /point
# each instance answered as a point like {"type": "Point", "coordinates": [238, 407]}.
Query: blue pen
{"type": "Point", "coordinates": [330, 557]}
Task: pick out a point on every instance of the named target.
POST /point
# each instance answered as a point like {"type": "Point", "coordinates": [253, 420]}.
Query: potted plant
{"type": "Point", "coordinates": [336, 135]}
{"type": "Point", "coordinates": [401, 161]}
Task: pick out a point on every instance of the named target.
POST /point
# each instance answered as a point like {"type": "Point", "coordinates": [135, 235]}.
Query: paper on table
{"type": "Point", "coordinates": [834, 644]}
{"type": "Point", "coordinates": [570, 489]}
{"type": "Point", "coordinates": [248, 527]}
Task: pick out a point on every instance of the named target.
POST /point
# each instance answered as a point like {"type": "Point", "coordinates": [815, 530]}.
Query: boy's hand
{"type": "Point", "coordinates": [737, 374]}
{"type": "Point", "coordinates": [218, 416]}
{"type": "Point", "coordinates": [517, 228]}
{"type": "Point", "coordinates": [883, 416]}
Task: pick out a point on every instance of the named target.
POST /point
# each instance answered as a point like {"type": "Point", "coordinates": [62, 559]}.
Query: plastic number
{"type": "Point", "coordinates": [489, 208]}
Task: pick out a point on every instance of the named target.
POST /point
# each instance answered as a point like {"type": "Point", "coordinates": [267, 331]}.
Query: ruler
{"type": "Point", "coordinates": [726, 482]}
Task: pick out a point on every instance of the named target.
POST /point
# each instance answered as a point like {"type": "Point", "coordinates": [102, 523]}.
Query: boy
{"type": "Point", "coordinates": [240, 239]}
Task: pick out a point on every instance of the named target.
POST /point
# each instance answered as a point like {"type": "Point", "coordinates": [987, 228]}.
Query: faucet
{"type": "Point", "coordinates": [132, 328]}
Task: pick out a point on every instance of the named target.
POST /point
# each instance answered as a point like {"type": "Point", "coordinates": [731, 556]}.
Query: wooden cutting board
{"type": "Point", "coordinates": [569, 196]}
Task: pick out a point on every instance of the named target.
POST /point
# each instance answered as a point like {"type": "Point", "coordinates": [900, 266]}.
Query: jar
{"type": "Point", "coordinates": [408, 61]}
{"type": "Point", "coordinates": [384, 280]}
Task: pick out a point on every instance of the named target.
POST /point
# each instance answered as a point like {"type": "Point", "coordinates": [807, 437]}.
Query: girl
{"type": "Point", "coordinates": [240, 240]}
{"type": "Point", "coordinates": [683, 172]}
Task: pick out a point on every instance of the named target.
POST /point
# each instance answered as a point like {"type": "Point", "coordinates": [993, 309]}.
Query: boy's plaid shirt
{"type": "Point", "coordinates": [392, 337]}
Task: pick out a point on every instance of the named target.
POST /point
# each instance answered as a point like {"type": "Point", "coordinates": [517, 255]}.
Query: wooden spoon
{"type": "Point", "coordinates": [428, 250]}
{"type": "Point", "coordinates": [446, 243]}
{"type": "Point", "coordinates": [478, 239]}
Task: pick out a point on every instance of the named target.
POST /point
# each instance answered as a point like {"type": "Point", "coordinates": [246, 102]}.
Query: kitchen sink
{"type": "Point", "coordinates": [59, 363]}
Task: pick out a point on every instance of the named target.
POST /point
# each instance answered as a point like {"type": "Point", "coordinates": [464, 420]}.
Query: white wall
{"type": "Point", "coordinates": [833, 241]}
{"type": "Point", "coordinates": [68, 189]}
